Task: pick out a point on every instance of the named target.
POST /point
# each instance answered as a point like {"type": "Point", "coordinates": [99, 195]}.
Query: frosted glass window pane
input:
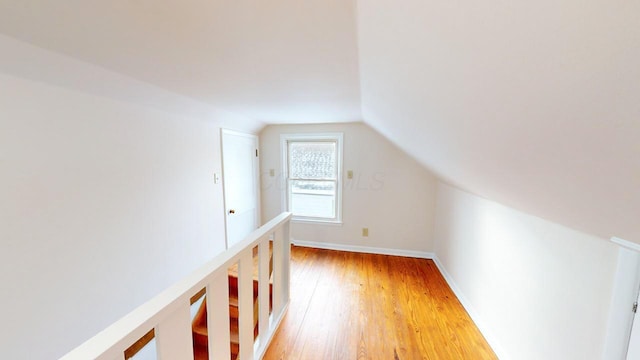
{"type": "Point", "coordinates": [313, 198]}
{"type": "Point", "coordinates": [312, 160]}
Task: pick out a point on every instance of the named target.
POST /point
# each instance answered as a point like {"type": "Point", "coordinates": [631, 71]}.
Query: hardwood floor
{"type": "Point", "coordinates": [362, 306]}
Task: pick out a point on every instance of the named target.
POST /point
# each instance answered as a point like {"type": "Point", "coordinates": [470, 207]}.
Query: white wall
{"type": "Point", "coordinates": [539, 290]}
{"type": "Point", "coordinates": [390, 193]}
{"type": "Point", "coordinates": [103, 204]}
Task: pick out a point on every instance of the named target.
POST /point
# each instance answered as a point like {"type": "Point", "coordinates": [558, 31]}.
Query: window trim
{"type": "Point", "coordinates": [284, 150]}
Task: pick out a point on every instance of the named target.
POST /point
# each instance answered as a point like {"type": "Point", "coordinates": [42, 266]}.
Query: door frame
{"type": "Point", "coordinates": [223, 132]}
{"type": "Point", "coordinates": [626, 287]}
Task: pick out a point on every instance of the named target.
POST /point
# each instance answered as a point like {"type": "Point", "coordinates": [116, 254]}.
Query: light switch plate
{"type": "Point", "coordinates": [349, 174]}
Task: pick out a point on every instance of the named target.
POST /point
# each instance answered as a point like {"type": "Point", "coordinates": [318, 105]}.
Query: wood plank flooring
{"type": "Point", "coordinates": [363, 306]}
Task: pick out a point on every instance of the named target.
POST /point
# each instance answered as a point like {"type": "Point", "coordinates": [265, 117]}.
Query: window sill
{"type": "Point", "coordinates": [317, 222]}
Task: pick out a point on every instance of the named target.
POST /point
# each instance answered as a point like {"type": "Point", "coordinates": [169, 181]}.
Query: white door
{"type": "Point", "coordinates": [634, 341]}
{"type": "Point", "coordinates": [240, 179]}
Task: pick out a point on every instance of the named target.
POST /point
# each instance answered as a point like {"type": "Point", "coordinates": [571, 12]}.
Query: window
{"type": "Point", "coordinates": [313, 168]}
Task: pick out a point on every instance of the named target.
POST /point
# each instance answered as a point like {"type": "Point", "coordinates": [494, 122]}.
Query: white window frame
{"type": "Point", "coordinates": [286, 188]}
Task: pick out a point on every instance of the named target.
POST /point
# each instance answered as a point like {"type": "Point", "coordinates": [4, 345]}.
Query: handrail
{"type": "Point", "coordinates": [168, 313]}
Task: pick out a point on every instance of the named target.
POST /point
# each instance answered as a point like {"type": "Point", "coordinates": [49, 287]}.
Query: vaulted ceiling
{"type": "Point", "coordinates": [273, 61]}
{"type": "Point", "coordinates": [534, 104]}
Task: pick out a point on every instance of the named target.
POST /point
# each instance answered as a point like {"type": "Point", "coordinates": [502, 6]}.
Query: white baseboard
{"type": "Point", "coordinates": [481, 324]}
{"type": "Point", "coordinates": [364, 249]}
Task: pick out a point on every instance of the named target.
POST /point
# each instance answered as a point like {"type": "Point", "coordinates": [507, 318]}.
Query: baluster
{"type": "Point", "coordinates": [278, 272]}
{"type": "Point", "coordinates": [111, 354]}
{"type": "Point", "coordinates": [173, 335]}
{"type": "Point", "coordinates": [245, 304]}
{"type": "Point", "coordinates": [286, 262]}
{"type": "Point", "coordinates": [263, 291]}
{"type": "Point", "coordinates": [218, 316]}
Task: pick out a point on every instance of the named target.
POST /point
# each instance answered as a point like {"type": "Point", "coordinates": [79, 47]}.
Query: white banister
{"type": "Point", "coordinates": [168, 313]}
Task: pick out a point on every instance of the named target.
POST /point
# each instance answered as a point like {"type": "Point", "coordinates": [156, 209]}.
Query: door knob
{"type": "Point", "coordinates": [231, 211]}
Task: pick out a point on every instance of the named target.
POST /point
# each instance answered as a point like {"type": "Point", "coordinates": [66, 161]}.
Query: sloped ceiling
{"type": "Point", "coordinates": [534, 104]}
{"type": "Point", "coordinates": [273, 61]}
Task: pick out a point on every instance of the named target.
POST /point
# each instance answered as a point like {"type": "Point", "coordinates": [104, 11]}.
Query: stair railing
{"type": "Point", "coordinates": [168, 314]}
